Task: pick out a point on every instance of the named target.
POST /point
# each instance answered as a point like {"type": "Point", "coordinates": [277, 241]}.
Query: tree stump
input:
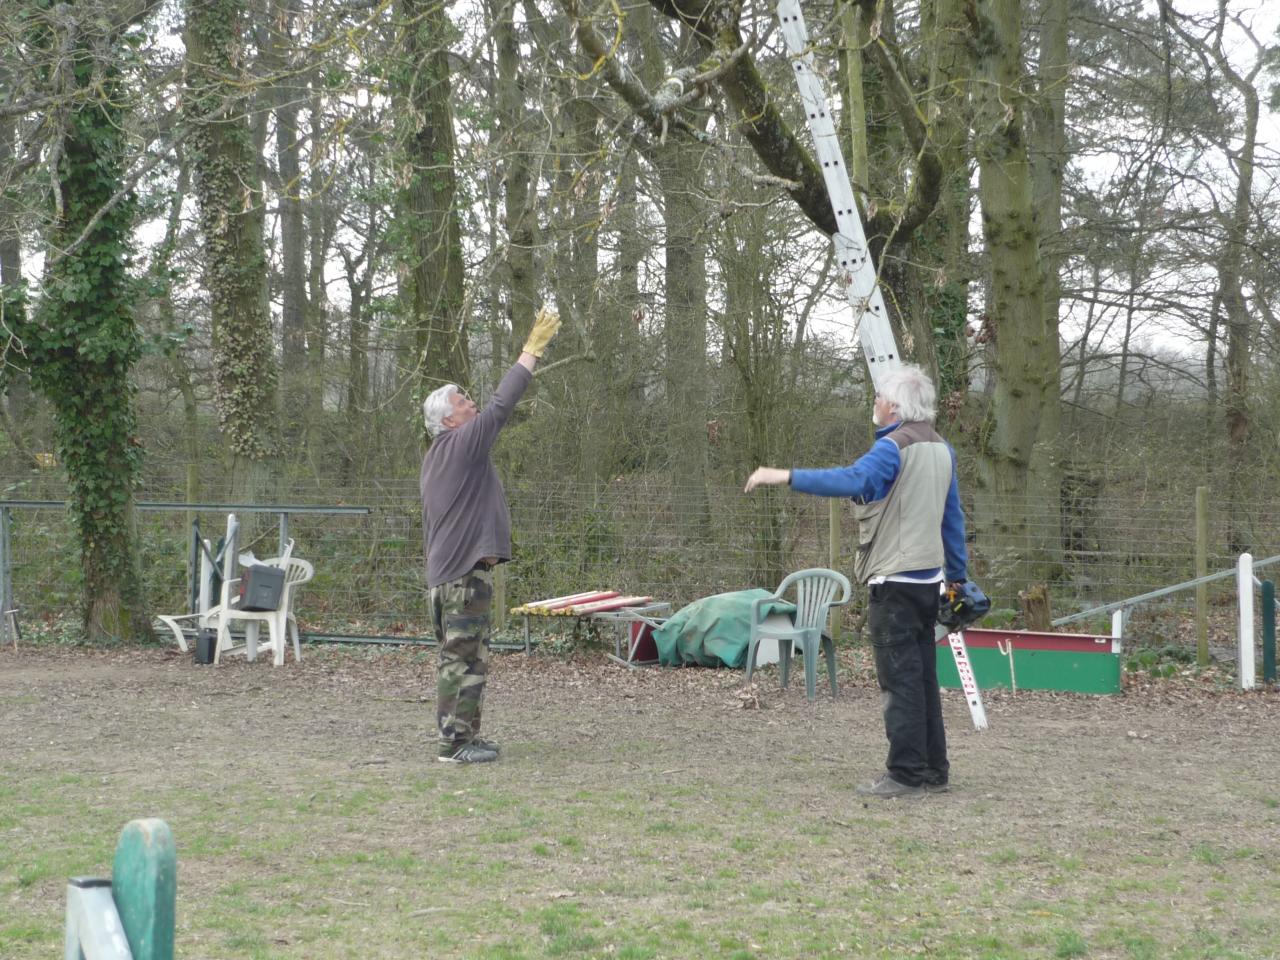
{"type": "Point", "coordinates": [1035, 607]}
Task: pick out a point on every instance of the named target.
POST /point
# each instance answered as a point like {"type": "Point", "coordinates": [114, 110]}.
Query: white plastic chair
{"type": "Point", "coordinates": [281, 623]}
{"type": "Point", "coordinates": [206, 615]}
{"type": "Point", "coordinates": [815, 591]}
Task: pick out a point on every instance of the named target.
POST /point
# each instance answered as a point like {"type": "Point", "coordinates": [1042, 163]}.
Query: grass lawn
{"type": "Point", "coordinates": [634, 814]}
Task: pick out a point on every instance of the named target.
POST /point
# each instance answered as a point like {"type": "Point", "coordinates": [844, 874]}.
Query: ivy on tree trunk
{"type": "Point", "coordinates": [82, 343]}
{"type": "Point", "coordinates": [224, 160]}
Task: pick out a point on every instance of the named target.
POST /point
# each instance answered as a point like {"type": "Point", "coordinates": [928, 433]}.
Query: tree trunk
{"type": "Point", "coordinates": [1130, 308]}
{"type": "Point", "coordinates": [1239, 327]}
{"type": "Point", "coordinates": [231, 222]}
{"type": "Point", "coordinates": [1025, 356]}
{"type": "Point", "coordinates": [518, 199]}
{"type": "Point", "coordinates": [1049, 132]}
{"type": "Point", "coordinates": [854, 36]}
{"type": "Point", "coordinates": [360, 288]}
{"type": "Point", "coordinates": [319, 228]}
{"type": "Point", "coordinates": [577, 274]}
{"type": "Point", "coordinates": [685, 334]}
{"type": "Point", "coordinates": [14, 383]}
{"type": "Point", "coordinates": [84, 343]}
{"type": "Point", "coordinates": [942, 245]}
{"type": "Point", "coordinates": [618, 345]}
{"type": "Point", "coordinates": [161, 264]}
{"type": "Point", "coordinates": [1229, 264]}
{"type": "Point", "coordinates": [1082, 362]}
{"type": "Point", "coordinates": [427, 216]}
{"type": "Point", "coordinates": [1211, 352]}
{"type": "Point", "coordinates": [1036, 612]}
{"type": "Point", "coordinates": [15, 395]}
{"type": "Point", "coordinates": [289, 93]}
{"type": "Point", "coordinates": [360, 272]}
{"type": "Point", "coordinates": [756, 351]}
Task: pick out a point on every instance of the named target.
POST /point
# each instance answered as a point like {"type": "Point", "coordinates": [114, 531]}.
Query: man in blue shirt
{"type": "Point", "coordinates": [910, 539]}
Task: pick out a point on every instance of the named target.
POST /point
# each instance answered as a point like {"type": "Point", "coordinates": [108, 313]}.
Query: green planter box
{"type": "Point", "coordinates": [1074, 662]}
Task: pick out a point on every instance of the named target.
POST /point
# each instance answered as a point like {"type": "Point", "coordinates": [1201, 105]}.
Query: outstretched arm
{"type": "Point", "coordinates": [767, 476]}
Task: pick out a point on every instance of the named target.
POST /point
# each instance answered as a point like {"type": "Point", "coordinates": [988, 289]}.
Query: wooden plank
{"type": "Point", "coordinates": [613, 603]}
{"type": "Point", "coordinates": [559, 606]}
{"type": "Point", "coordinates": [570, 598]}
{"type": "Point", "coordinates": [1032, 640]}
{"type": "Point", "coordinates": [585, 598]}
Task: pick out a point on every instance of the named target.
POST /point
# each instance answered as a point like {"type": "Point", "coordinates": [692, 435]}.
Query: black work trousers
{"type": "Point", "coordinates": [900, 620]}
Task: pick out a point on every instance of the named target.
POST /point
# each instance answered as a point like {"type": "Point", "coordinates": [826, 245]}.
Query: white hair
{"type": "Point", "coordinates": [436, 407]}
{"type": "Point", "coordinates": [910, 390]}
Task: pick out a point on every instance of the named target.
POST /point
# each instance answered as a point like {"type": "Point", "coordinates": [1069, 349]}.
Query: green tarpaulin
{"type": "Point", "coordinates": [713, 631]}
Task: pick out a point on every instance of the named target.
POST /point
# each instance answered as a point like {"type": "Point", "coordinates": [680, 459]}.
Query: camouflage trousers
{"type": "Point", "coordinates": [460, 612]}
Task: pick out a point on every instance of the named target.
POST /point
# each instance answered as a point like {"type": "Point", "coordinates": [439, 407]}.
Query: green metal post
{"type": "Point", "coordinates": [144, 884]}
{"type": "Point", "coordinates": [1268, 631]}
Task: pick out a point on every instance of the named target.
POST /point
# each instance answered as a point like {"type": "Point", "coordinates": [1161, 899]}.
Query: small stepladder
{"type": "Point", "coordinates": [131, 915]}
{"type": "Point", "coordinates": [968, 682]}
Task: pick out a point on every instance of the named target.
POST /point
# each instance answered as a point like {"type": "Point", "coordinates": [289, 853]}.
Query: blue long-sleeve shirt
{"type": "Point", "coordinates": [871, 476]}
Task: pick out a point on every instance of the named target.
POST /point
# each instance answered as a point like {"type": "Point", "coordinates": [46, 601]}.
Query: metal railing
{"type": "Point", "coordinates": [642, 534]}
{"type": "Point", "coordinates": [10, 628]}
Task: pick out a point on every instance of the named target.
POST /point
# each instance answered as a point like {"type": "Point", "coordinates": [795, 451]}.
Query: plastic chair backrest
{"type": "Point", "coordinates": [299, 572]}
{"type": "Point", "coordinates": [815, 593]}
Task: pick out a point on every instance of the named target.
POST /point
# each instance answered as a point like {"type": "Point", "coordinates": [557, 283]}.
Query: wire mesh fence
{"type": "Point", "coordinates": [644, 536]}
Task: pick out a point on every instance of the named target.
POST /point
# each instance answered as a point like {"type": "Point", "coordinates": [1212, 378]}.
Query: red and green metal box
{"type": "Point", "coordinates": [1015, 659]}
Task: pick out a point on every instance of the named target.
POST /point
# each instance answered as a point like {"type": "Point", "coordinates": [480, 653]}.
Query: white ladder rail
{"type": "Point", "coordinates": [857, 273]}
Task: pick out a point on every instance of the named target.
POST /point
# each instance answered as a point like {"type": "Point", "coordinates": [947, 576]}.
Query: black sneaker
{"type": "Point", "coordinates": [470, 752]}
{"type": "Point", "coordinates": [936, 781]}
{"type": "Point", "coordinates": [487, 744]}
{"type": "Point", "coordinates": [888, 788]}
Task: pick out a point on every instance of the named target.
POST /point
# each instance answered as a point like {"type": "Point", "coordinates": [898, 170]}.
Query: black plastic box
{"type": "Point", "coordinates": [260, 588]}
{"type": "Point", "coordinates": [206, 645]}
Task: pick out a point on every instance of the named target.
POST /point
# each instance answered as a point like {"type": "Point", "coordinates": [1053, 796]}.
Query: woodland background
{"type": "Point", "coordinates": [241, 239]}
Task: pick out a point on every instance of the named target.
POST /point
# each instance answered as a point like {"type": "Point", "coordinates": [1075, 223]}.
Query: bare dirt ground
{"type": "Point", "coordinates": [1067, 808]}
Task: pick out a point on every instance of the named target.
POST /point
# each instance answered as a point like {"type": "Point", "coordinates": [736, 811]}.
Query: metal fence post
{"type": "Point", "coordinates": [193, 567]}
{"type": "Point", "coordinates": [833, 536]}
{"type": "Point", "coordinates": [1268, 631]}
{"type": "Point", "coordinates": [8, 618]}
{"type": "Point", "coordinates": [500, 597]}
{"type": "Point", "coordinates": [1202, 569]}
{"type": "Point", "coordinates": [284, 533]}
{"type": "Point", "coordinates": [1244, 650]}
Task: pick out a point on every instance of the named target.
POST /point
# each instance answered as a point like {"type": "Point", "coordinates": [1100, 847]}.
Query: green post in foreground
{"type": "Point", "coordinates": [144, 884]}
{"type": "Point", "coordinates": [1268, 631]}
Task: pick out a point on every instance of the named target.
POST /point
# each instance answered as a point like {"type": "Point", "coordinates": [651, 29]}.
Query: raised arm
{"type": "Point", "coordinates": [545, 326]}
{"type": "Point", "coordinates": [481, 432]}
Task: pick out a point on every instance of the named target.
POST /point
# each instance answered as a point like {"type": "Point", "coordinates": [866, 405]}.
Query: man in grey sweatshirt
{"type": "Point", "coordinates": [466, 529]}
